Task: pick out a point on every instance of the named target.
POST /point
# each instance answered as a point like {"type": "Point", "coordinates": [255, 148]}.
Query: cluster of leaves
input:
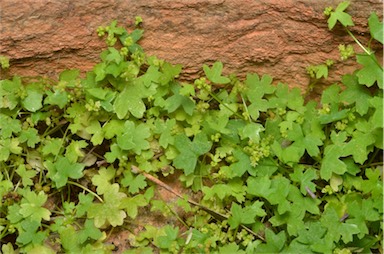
{"type": "Point", "coordinates": [281, 174]}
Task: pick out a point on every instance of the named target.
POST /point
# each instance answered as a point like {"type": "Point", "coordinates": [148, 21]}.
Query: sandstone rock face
{"type": "Point", "coordinates": [276, 37]}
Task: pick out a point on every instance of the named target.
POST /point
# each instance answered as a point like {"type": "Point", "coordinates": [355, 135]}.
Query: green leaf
{"type": "Point", "coordinates": [376, 119]}
{"type": "Point", "coordinates": [257, 88]}
{"type": "Point", "coordinates": [308, 142]}
{"type": "Point", "coordinates": [29, 233]}
{"type": "Point", "coordinates": [339, 15]}
{"type": "Point", "coordinates": [355, 93]}
{"type": "Point", "coordinates": [31, 206]}
{"type": "Point", "coordinates": [135, 183]}
{"type": "Point", "coordinates": [113, 55]}
{"type": "Point", "coordinates": [305, 176]}
{"type": "Point", "coordinates": [359, 145]}
{"type": "Point", "coordinates": [165, 129]}
{"type": "Point", "coordinates": [214, 74]}
{"type": "Point", "coordinates": [176, 100]}
{"type": "Point", "coordinates": [66, 169]}
{"type": "Point", "coordinates": [189, 151]}
{"type": "Point", "coordinates": [30, 135]}
{"type": "Point", "coordinates": [69, 75]}
{"type": "Point", "coordinates": [113, 128]}
{"type": "Point", "coordinates": [115, 153]}
{"type": "Point", "coordinates": [242, 164]}
{"type": "Point", "coordinates": [251, 131]}
{"type": "Point", "coordinates": [33, 101]}
{"type": "Point", "coordinates": [132, 204]}
{"type": "Point", "coordinates": [59, 98]}
{"type": "Point", "coordinates": [94, 128]}
{"type": "Point", "coordinates": [52, 146]}
{"type": "Point", "coordinates": [275, 242]}
{"type": "Point", "coordinates": [134, 137]}
{"type": "Point", "coordinates": [245, 215]}
{"type": "Point", "coordinates": [25, 175]}
{"type": "Point", "coordinates": [334, 116]}
{"type": "Point", "coordinates": [130, 100]}
{"type": "Point", "coordinates": [331, 162]}
{"type": "Point", "coordinates": [102, 179]}
{"type": "Point", "coordinates": [337, 229]}
{"type": "Point", "coordinates": [376, 27]}
{"type": "Point", "coordinates": [8, 92]}
{"type": "Point", "coordinates": [9, 126]}
{"type": "Point", "coordinates": [109, 212]}
{"type": "Point", "coordinates": [311, 233]}
{"type": "Point", "coordinates": [165, 242]}
{"type": "Point", "coordinates": [74, 150]}
{"type": "Point", "coordinates": [169, 72]}
{"type": "Point", "coordinates": [89, 232]}
{"type": "Point", "coordinates": [85, 202]}
{"type": "Point", "coordinates": [371, 72]}
{"type": "Point", "coordinates": [361, 212]}
{"type": "Point", "coordinates": [231, 248]}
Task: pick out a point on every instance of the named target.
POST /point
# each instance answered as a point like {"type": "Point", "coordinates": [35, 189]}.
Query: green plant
{"type": "Point", "coordinates": [81, 156]}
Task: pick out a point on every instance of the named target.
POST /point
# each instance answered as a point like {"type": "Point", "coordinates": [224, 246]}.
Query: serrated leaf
{"type": "Point", "coordinates": [134, 137]}
{"type": "Point", "coordinates": [33, 101]}
{"type": "Point", "coordinates": [242, 165]}
{"type": "Point", "coordinates": [251, 131]}
{"type": "Point", "coordinates": [376, 119]}
{"type": "Point", "coordinates": [339, 15]}
{"type": "Point", "coordinates": [132, 204]}
{"type": "Point", "coordinates": [355, 93]}
{"type": "Point", "coordinates": [134, 183]}
{"type": "Point", "coordinates": [245, 215]}
{"type": "Point", "coordinates": [109, 212]}
{"type": "Point", "coordinates": [8, 92]}
{"type": "Point", "coordinates": [336, 228]}
{"type": "Point", "coordinates": [94, 128]}
{"type": "Point", "coordinates": [75, 150]}
{"type": "Point", "coordinates": [25, 175]}
{"type": "Point", "coordinates": [275, 242]}
{"type": "Point", "coordinates": [30, 135]}
{"type": "Point", "coordinates": [66, 169]}
{"type": "Point", "coordinates": [304, 176]}
{"type": "Point", "coordinates": [371, 72]}
{"type": "Point", "coordinates": [189, 151]}
{"type": "Point", "coordinates": [59, 98]}
{"type": "Point", "coordinates": [9, 126]}
{"type": "Point", "coordinates": [376, 27]}
{"type": "Point", "coordinates": [358, 146]}
{"type": "Point", "coordinates": [52, 146]}
{"type": "Point", "coordinates": [32, 206]}
{"type": "Point", "coordinates": [331, 161]}
{"type": "Point", "coordinates": [30, 234]}
{"type": "Point", "coordinates": [85, 201]}
{"type": "Point", "coordinates": [214, 73]}
{"type": "Point", "coordinates": [169, 238]}
{"type": "Point", "coordinates": [69, 75]}
{"type": "Point", "coordinates": [102, 179]}
{"type": "Point", "coordinates": [176, 100]}
{"type": "Point", "coordinates": [257, 88]}
{"type": "Point", "coordinates": [130, 100]}
{"type": "Point", "coordinates": [89, 231]}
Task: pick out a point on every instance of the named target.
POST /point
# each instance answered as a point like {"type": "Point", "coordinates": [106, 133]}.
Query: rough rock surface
{"type": "Point", "coordinates": [277, 37]}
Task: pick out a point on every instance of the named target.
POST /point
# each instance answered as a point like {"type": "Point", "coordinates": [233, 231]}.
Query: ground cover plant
{"type": "Point", "coordinates": [264, 169]}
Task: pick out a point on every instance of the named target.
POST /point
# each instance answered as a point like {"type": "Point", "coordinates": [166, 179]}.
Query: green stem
{"type": "Point", "coordinates": [369, 53]}
{"type": "Point", "coordinates": [88, 190]}
{"type": "Point", "coordinates": [220, 101]}
{"type": "Point", "coordinates": [358, 42]}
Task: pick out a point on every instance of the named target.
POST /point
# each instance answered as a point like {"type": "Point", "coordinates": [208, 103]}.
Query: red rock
{"type": "Point", "coordinates": [277, 37]}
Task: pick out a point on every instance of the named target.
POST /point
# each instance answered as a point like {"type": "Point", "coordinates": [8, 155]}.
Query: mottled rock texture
{"type": "Point", "coordinates": [277, 37]}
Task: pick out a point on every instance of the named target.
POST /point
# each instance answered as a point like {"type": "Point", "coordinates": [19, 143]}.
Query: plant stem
{"type": "Point", "coordinates": [88, 190]}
